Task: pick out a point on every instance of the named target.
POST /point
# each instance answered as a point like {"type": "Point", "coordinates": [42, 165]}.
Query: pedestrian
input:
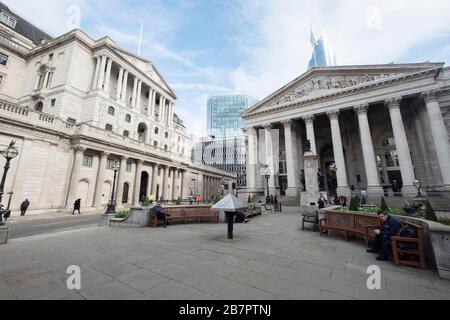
{"type": "Point", "coordinates": [272, 200]}
{"type": "Point", "coordinates": [24, 206]}
{"type": "Point", "coordinates": [76, 206]}
{"type": "Point", "coordinates": [322, 201]}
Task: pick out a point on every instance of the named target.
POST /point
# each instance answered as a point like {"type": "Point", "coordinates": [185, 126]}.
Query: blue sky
{"type": "Point", "coordinates": [204, 46]}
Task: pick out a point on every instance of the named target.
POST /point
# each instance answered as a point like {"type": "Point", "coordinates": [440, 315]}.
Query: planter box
{"type": "Point", "coordinates": [139, 217]}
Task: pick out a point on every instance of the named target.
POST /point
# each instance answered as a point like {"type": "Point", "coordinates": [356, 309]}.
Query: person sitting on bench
{"type": "Point", "coordinates": [160, 214]}
{"type": "Point", "coordinates": [389, 228]}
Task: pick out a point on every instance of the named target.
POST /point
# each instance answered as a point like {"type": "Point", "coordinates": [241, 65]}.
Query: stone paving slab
{"type": "Point", "coordinates": [269, 258]}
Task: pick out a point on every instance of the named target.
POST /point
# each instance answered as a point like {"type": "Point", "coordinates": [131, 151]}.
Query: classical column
{"type": "Point", "coordinates": [108, 75]}
{"type": "Point", "coordinates": [96, 73]}
{"type": "Point", "coordinates": [138, 97]}
{"type": "Point", "coordinates": [155, 180]}
{"type": "Point", "coordinates": [290, 141]}
{"type": "Point", "coordinates": [100, 179]}
{"type": "Point", "coordinates": [183, 184]}
{"type": "Point", "coordinates": [121, 180]}
{"type": "Point", "coordinates": [153, 103]}
{"type": "Point", "coordinates": [44, 84]}
{"type": "Point", "coordinates": [165, 173]}
{"type": "Point", "coordinates": [370, 162]}
{"type": "Point", "coordinates": [270, 158]}
{"type": "Point", "coordinates": [137, 182]}
{"type": "Point", "coordinates": [162, 108]}
{"type": "Point", "coordinates": [338, 151]}
{"type": "Point", "coordinates": [401, 143]}
{"type": "Point", "coordinates": [119, 84]}
{"type": "Point", "coordinates": [252, 158]}
{"type": "Point", "coordinates": [440, 135]}
{"type": "Point", "coordinates": [101, 76]}
{"type": "Point", "coordinates": [75, 177]}
{"type": "Point", "coordinates": [309, 121]}
{"type": "Point", "coordinates": [174, 184]}
{"type": "Point", "coordinates": [123, 96]}
{"type": "Point", "coordinates": [133, 99]}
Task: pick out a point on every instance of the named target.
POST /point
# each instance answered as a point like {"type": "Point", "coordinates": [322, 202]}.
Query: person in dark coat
{"type": "Point", "coordinates": [160, 213]}
{"type": "Point", "coordinates": [24, 206]}
{"type": "Point", "coordinates": [322, 201]}
{"type": "Point", "coordinates": [390, 227]}
{"type": "Point", "coordinates": [76, 206]}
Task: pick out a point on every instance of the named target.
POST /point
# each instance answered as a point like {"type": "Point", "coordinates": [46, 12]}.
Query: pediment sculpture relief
{"type": "Point", "coordinates": [321, 85]}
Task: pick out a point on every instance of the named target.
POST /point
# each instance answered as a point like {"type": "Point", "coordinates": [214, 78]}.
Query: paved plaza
{"type": "Point", "coordinates": [269, 258]}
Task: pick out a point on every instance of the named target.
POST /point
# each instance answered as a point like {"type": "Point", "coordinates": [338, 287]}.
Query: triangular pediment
{"type": "Point", "coordinates": [147, 68]}
{"type": "Point", "coordinates": [323, 81]}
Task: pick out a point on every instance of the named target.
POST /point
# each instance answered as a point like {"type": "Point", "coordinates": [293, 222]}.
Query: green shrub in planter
{"type": "Point", "coordinates": [216, 199]}
{"type": "Point", "coordinates": [147, 203]}
{"type": "Point", "coordinates": [354, 204]}
{"type": "Point", "coordinates": [122, 214]}
{"type": "Point", "coordinates": [429, 212]}
{"type": "Point", "coordinates": [249, 199]}
{"type": "Point", "coordinates": [178, 202]}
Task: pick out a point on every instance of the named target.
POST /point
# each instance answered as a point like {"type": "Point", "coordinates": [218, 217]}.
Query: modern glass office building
{"type": "Point", "coordinates": [224, 114]}
{"type": "Point", "coordinates": [323, 54]}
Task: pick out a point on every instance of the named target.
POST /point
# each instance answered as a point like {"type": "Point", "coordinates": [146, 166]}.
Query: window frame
{"type": "Point", "coordinates": [107, 126]}
{"type": "Point", "coordinates": [2, 58]}
{"type": "Point", "coordinates": [88, 161]}
{"type": "Point", "coordinates": [113, 112]}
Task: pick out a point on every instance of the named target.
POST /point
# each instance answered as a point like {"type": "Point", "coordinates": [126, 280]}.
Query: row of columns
{"type": "Point", "coordinates": [211, 187]}
{"type": "Point", "coordinates": [439, 134]}
{"type": "Point", "coordinates": [176, 178]}
{"type": "Point", "coordinates": [102, 79]}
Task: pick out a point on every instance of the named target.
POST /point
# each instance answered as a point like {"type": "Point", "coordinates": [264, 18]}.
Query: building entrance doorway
{"type": "Point", "coordinates": [330, 174]}
{"type": "Point", "coordinates": [283, 183]}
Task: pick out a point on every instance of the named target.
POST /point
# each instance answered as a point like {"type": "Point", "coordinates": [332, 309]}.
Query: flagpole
{"type": "Point", "coordinates": [140, 36]}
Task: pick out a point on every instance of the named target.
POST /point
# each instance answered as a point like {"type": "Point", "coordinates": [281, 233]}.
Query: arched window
{"type": "Point", "coordinates": [127, 118]}
{"type": "Point", "coordinates": [39, 106]}
{"type": "Point", "coordinates": [111, 111]}
{"type": "Point", "coordinates": [156, 130]}
{"type": "Point", "coordinates": [166, 135]}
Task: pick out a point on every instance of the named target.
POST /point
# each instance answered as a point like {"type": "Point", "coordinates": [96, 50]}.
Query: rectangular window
{"type": "Point", "coordinates": [50, 57]}
{"type": "Point", "coordinates": [110, 163]}
{"type": "Point", "coordinates": [165, 147]}
{"type": "Point", "coordinates": [155, 143]}
{"type": "Point", "coordinates": [128, 168]}
{"type": "Point", "coordinates": [108, 127]}
{"type": "Point", "coordinates": [53, 102]}
{"type": "Point", "coordinates": [71, 120]}
{"type": "Point", "coordinates": [3, 59]}
{"type": "Point", "coordinates": [8, 20]}
{"type": "Point", "coordinates": [1, 80]}
{"type": "Point", "coordinates": [87, 161]}
{"type": "Point", "coordinates": [126, 133]}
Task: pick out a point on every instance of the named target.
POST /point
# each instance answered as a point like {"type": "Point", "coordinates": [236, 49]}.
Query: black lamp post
{"type": "Point", "coordinates": [9, 153]}
{"type": "Point", "coordinates": [267, 184]}
{"type": "Point", "coordinates": [111, 209]}
{"type": "Point", "coordinates": [418, 186]}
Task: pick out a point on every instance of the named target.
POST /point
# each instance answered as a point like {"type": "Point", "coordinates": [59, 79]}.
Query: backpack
{"type": "Point", "coordinates": [407, 232]}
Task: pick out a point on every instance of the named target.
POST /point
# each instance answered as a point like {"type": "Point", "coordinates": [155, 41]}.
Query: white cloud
{"type": "Point", "coordinates": [274, 35]}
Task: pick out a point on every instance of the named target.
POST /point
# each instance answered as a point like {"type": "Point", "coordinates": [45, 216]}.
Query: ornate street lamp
{"type": "Point", "coordinates": [9, 153]}
{"type": "Point", "coordinates": [111, 209]}
{"type": "Point", "coordinates": [418, 186]}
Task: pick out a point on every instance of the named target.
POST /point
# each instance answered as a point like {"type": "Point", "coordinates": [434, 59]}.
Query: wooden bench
{"type": "Point", "coordinates": [401, 254]}
{"type": "Point", "coordinates": [186, 214]}
{"type": "Point", "coordinates": [350, 224]}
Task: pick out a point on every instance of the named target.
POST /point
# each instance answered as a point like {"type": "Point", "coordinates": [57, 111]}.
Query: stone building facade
{"type": "Point", "coordinates": [375, 128]}
{"type": "Point", "coordinates": [74, 106]}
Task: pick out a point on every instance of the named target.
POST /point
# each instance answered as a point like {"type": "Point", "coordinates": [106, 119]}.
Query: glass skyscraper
{"type": "Point", "coordinates": [224, 114]}
{"type": "Point", "coordinates": [323, 55]}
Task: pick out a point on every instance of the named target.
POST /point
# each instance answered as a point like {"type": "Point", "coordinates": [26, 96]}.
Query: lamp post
{"type": "Point", "coordinates": [111, 209]}
{"type": "Point", "coordinates": [418, 186]}
{"type": "Point", "coordinates": [9, 153]}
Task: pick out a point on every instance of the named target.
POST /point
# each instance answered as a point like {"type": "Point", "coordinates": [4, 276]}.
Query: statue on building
{"type": "Point", "coordinates": [320, 179]}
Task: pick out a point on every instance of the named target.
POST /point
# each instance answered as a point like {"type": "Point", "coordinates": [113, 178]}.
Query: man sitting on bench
{"type": "Point", "coordinates": [389, 228]}
{"type": "Point", "coordinates": [160, 214]}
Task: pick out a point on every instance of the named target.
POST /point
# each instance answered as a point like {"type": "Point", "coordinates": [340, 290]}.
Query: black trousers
{"type": "Point", "coordinates": [22, 212]}
{"type": "Point", "coordinates": [382, 244]}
